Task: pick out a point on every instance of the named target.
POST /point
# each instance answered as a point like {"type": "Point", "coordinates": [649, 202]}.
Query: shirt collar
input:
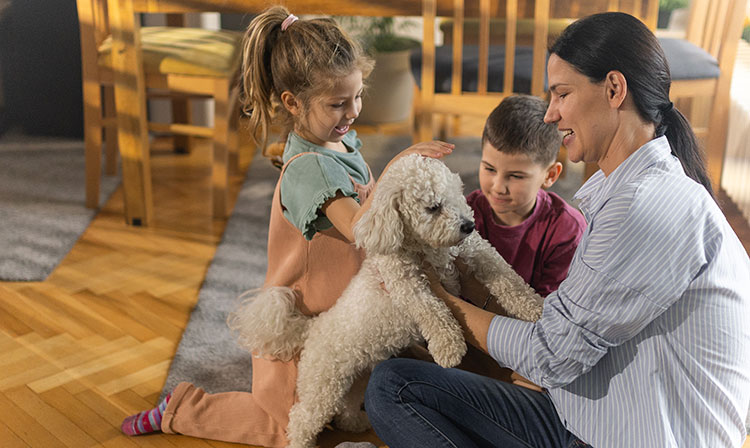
{"type": "Point", "coordinates": [296, 145]}
{"type": "Point", "coordinates": [595, 192]}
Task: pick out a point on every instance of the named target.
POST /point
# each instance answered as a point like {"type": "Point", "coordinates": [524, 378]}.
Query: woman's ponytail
{"type": "Point", "coordinates": [685, 147]}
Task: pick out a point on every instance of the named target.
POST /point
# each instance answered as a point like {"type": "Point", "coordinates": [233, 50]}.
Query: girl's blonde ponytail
{"type": "Point", "coordinates": [306, 59]}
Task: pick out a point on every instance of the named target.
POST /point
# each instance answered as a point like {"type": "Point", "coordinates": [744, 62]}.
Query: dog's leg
{"type": "Point", "coordinates": [352, 418]}
{"type": "Point", "coordinates": [490, 269]}
{"type": "Point", "coordinates": [444, 336]}
{"type": "Point", "coordinates": [320, 389]}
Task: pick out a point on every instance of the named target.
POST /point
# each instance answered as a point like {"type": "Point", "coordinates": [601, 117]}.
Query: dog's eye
{"type": "Point", "coordinates": [434, 208]}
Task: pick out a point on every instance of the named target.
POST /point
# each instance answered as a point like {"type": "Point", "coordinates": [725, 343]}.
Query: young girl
{"type": "Point", "coordinates": [308, 74]}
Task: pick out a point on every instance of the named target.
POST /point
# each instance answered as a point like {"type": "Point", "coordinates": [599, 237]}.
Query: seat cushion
{"type": "Point", "coordinates": [184, 51]}
{"type": "Point", "coordinates": [688, 61]}
{"type": "Point", "coordinates": [470, 68]}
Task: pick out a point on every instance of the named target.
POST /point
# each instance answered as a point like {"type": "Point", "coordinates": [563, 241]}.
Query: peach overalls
{"type": "Point", "coordinates": [319, 270]}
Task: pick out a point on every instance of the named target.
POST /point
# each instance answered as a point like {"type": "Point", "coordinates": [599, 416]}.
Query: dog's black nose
{"type": "Point", "coordinates": [467, 227]}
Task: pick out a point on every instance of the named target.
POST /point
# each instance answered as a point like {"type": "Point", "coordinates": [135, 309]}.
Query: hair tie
{"type": "Point", "coordinates": [290, 19]}
{"type": "Point", "coordinates": [667, 108]}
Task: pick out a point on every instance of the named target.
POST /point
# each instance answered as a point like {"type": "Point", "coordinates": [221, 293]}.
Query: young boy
{"type": "Point", "coordinates": [535, 231]}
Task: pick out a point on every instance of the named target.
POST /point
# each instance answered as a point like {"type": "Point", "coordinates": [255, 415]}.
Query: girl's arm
{"type": "Point", "coordinates": [344, 211]}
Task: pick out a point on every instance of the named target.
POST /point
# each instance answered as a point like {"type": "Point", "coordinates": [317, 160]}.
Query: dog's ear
{"type": "Point", "coordinates": [380, 229]}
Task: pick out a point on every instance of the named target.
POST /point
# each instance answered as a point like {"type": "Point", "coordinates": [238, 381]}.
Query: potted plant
{"type": "Point", "coordinates": [390, 87]}
{"type": "Point", "coordinates": [665, 11]}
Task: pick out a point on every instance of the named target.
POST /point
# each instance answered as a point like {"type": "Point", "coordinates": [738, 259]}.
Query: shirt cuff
{"type": "Point", "coordinates": [507, 341]}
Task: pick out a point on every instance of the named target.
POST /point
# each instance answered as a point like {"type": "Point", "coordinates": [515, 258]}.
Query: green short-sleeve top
{"type": "Point", "coordinates": [310, 180]}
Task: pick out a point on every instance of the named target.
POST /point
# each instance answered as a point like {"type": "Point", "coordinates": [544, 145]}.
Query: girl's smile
{"type": "Point", "coordinates": [329, 117]}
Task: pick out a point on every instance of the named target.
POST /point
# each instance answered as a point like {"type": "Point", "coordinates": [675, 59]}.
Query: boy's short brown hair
{"type": "Point", "coordinates": [516, 126]}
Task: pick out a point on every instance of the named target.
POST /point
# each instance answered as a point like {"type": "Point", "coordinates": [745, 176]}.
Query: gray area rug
{"type": "Point", "coordinates": [42, 205]}
{"type": "Point", "coordinates": [208, 355]}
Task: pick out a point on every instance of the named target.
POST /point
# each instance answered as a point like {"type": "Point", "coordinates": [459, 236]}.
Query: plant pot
{"type": "Point", "coordinates": [662, 20]}
{"type": "Point", "coordinates": [390, 89]}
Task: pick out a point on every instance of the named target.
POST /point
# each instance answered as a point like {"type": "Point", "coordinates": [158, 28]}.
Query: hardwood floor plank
{"type": "Point", "coordinates": [50, 308]}
{"type": "Point", "coordinates": [9, 323]}
{"type": "Point", "coordinates": [87, 360]}
{"type": "Point", "coordinates": [24, 426]}
{"type": "Point", "coordinates": [113, 308]}
{"type": "Point", "coordinates": [10, 440]}
{"type": "Point", "coordinates": [23, 309]}
{"type": "Point", "coordinates": [83, 417]}
{"type": "Point", "coordinates": [113, 359]}
{"type": "Point", "coordinates": [128, 381]}
{"type": "Point", "coordinates": [55, 422]}
{"type": "Point", "coordinates": [16, 349]}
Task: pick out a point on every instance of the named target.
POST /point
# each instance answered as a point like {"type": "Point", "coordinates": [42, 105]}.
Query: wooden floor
{"type": "Point", "coordinates": [93, 343]}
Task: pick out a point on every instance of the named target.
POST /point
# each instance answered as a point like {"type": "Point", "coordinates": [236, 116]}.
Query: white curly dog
{"type": "Point", "coordinates": [418, 213]}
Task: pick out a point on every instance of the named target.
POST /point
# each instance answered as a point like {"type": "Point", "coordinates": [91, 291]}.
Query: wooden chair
{"type": "Point", "coordinates": [701, 65]}
{"type": "Point", "coordinates": [472, 74]}
{"type": "Point", "coordinates": [172, 62]}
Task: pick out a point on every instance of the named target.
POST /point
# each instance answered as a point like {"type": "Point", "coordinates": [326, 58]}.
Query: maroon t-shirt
{"type": "Point", "coordinates": [541, 248]}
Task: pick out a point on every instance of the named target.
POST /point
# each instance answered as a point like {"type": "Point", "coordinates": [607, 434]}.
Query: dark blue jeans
{"type": "Point", "coordinates": [415, 404]}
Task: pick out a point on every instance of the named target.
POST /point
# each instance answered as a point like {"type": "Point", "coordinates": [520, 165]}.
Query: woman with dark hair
{"type": "Point", "coordinates": [646, 342]}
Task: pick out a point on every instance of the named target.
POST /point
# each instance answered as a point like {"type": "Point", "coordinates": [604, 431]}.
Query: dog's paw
{"type": "Point", "coordinates": [448, 354]}
{"type": "Point", "coordinates": [356, 422]}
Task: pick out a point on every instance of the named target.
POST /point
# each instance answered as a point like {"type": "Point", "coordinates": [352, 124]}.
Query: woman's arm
{"type": "Point", "coordinates": [344, 211]}
{"type": "Point", "coordinates": [474, 320]}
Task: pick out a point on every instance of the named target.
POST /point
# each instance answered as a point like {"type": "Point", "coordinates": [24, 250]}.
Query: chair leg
{"type": "Point", "coordinates": [110, 132]}
{"type": "Point", "coordinates": [181, 113]}
{"type": "Point", "coordinates": [220, 166]}
{"type": "Point", "coordinates": [92, 136]}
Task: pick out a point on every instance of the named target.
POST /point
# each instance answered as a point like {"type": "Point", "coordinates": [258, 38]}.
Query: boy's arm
{"type": "Point", "coordinates": [555, 269]}
{"type": "Point", "coordinates": [569, 228]}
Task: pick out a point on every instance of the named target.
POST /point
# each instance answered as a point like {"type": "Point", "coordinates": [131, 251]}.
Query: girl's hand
{"type": "Point", "coordinates": [435, 149]}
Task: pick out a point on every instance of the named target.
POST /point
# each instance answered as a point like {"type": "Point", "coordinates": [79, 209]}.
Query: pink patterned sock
{"type": "Point", "coordinates": [145, 422]}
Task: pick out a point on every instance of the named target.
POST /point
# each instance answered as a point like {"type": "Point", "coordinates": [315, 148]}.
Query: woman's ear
{"type": "Point", "coordinates": [290, 102]}
{"type": "Point", "coordinates": [617, 88]}
{"type": "Point", "coordinates": [552, 174]}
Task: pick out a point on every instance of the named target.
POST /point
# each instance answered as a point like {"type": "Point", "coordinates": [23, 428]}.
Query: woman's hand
{"type": "Point", "coordinates": [474, 320]}
{"type": "Point", "coordinates": [435, 285]}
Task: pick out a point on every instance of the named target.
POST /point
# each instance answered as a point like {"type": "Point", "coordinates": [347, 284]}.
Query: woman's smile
{"type": "Point", "coordinates": [568, 136]}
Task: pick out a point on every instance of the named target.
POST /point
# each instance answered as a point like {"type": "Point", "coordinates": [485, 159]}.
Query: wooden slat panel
{"type": "Point", "coordinates": [541, 31]}
{"type": "Point", "coordinates": [511, 15]}
{"type": "Point", "coordinates": [424, 124]}
{"type": "Point", "coordinates": [458, 44]}
{"type": "Point", "coordinates": [689, 88]}
{"type": "Point", "coordinates": [484, 46]}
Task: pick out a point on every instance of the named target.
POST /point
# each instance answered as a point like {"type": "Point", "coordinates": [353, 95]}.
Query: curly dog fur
{"type": "Point", "coordinates": [418, 213]}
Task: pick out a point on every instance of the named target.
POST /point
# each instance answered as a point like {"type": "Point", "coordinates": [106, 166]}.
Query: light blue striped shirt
{"type": "Point", "coordinates": [647, 341]}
